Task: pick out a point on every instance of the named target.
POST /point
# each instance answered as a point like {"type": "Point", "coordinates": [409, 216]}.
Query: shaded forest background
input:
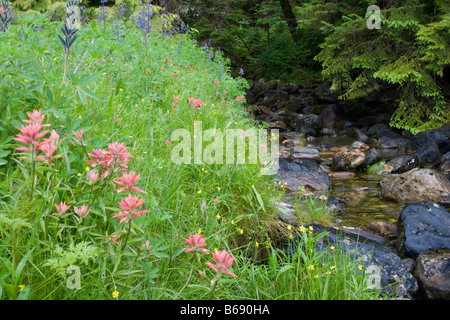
{"type": "Point", "coordinates": [310, 42]}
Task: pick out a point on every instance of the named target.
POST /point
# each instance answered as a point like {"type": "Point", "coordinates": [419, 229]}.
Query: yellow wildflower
{"type": "Point", "coordinates": [115, 294]}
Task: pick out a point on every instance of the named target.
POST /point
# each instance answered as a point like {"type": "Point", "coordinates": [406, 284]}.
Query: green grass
{"type": "Point", "coordinates": [124, 93]}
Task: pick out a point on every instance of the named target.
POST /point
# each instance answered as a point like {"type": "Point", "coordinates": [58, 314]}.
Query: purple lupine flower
{"type": "Point", "coordinates": [211, 55]}
{"type": "Point", "coordinates": [122, 10]}
{"type": "Point", "coordinates": [241, 72]}
{"type": "Point", "coordinates": [220, 70]}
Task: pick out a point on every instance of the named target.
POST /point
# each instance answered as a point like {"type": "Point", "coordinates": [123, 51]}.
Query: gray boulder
{"type": "Point", "coordinates": [416, 185]}
{"type": "Point", "coordinates": [422, 227]}
{"type": "Point", "coordinates": [432, 273]}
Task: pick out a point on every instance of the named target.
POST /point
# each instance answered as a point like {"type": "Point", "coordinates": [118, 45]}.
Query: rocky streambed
{"type": "Point", "coordinates": [389, 190]}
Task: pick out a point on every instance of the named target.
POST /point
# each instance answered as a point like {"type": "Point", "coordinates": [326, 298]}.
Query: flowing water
{"type": "Point", "coordinates": [363, 204]}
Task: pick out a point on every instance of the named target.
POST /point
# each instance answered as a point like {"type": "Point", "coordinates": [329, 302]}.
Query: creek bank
{"type": "Point", "coordinates": [368, 171]}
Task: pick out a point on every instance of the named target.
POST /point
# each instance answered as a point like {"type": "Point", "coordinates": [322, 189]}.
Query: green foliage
{"type": "Point", "coordinates": [408, 52]}
{"type": "Point", "coordinates": [82, 252]}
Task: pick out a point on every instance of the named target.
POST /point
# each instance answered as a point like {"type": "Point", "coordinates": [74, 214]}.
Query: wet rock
{"type": "Point", "coordinates": [428, 155]}
{"type": "Point", "coordinates": [416, 185]}
{"type": "Point", "coordinates": [310, 164]}
{"type": "Point", "coordinates": [401, 164]}
{"type": "Point", "coordinates": [305, 153]}
{"type": "Point", "coordinates": [281, 115]}
{"type": "Point", "coordinates": [328, 132]}
{"type": "Point", "coordinates": [360, 145]}
{"type": "Point", "coordinates": [382, 228]}
{"type": "Point", "coordinates": [324, 146]}
{"type": "Point", "coordinates": [297, 175]}
{"type": "Point", "coordinates": [341, 174]}
{"type": "Point", "coordinates": [361, 135]}
{"type": "Point", "coordinates": [372, 252]}
{"type": "Point", "coordinates": [423, 227]}
{"type": "Point", "coordinates": [432, 273]}
{"type": "Point", "coordinates": [289, 143]}
{"type": "Point", "coordinates": [386, 138]}
{"type": "Point", "coordinates": [263, 110]}
{"type": "Point", "coordinates": [441, 137]}
{"type": "Point", "coordinates": [372, 156]}
{"type": "Point", "coordinates": [336, 205]}
{"type": "Point", "coordinates": [346, 159]}
{"type": "Point", "coordinates": [280, 125]}
{"type": "Point", "coordinates": [285, 211]}
{"type": "Point", "coordinates": [329, 117]}
{"type": "Point", "coordinates": [303, 122]}
{"type": "Point", "coordinates": [323, 94]}
{"type": "Point", "coordinates": [445, 165]}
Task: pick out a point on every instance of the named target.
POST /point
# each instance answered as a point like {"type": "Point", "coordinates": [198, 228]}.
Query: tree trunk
{"type": "Point", "coordinates": [290, 19]}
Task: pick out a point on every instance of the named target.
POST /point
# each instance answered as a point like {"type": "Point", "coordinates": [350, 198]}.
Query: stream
{"type": "Point", "coordinates": [363, 205]}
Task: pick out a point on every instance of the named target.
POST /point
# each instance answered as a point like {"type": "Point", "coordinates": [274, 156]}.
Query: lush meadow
{"type": "Point", "coordinates": [91, 204]}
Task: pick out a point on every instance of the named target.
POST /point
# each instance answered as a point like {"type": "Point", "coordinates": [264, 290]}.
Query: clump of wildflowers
{"type": "Point", "coordinates": [110, 160]}
{"type": "Point", "coordinates": [6, 15]}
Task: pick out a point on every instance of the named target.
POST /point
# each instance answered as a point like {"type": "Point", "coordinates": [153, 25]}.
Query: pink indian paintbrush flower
{"type": "Point", "coordinates": [119, 154]}
{"type": "Point", "coordinates": [175, 76]}
{"type": "Point", "coordinates": [92, 176]}
{"type": "Point", "coordinates": [82, 211]}
{"type": "Point", "coordinates": [128, 181]}
{"type": "Point", "coordinates": [79, 135]}
{"type": "Point", "coordinates": [30, 136]}
{"type": "Point", "coordinates": [223, 260]}
{"type": "Point", "coordinates": [116, 157]}
{"type": "Point", "coordinates": [114, 238]}
{"type": "Point", "coordinates": [196, 103]}
{"type": "Point", "coordinates": [48, 149]}
{"type": "Point", "coordinates": [129, 205]}
{"type": "Point", "coordinates": [61, 208]}
{"type": "Point", "coordinates": [239, 98]}
{"type": "Point", "coordinates": [36, 117]}
{"type": "Point", "coordinates": [195, 243]}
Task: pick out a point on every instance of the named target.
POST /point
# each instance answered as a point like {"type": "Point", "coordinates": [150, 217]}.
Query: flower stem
{"type": "Point", "coordinates": [128, 234]}
{"type": "Point", "coordinates": [212, 289]}
{"type": "Point", "coordinates": [187, 281]}
{"type": "Point", "coordinates": [34, 172]}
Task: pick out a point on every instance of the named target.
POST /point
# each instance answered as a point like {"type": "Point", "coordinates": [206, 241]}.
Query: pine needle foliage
{"type": "Point", "coordinates": [410, 51]}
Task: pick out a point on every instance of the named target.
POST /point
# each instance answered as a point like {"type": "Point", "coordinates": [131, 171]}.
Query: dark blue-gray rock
{"type": "Point", "coordinates": [423, 227]}
{"type": "Point", "coordinates": [324, 146]}
{"type": "Point", "coordinates": [441, 137]}
{"type": "Point", "coordinates": [401, 164]}
{"type": "Point", "coordinates": [336, 205]}
{"type": "Point", "coordinates": [361, 135]}
{"type": "Point", "coordinates": [416, 185]}
{"type": "Point", "coordinates": [294, 175]}
{"type": "Point", "coordinates": [329, 117]}
{"type": "Point", "coordinates": [310, 164]}
{"type": "Point", "coordinates": [445, 165]}
{"type": "Point", "coordinates": [323, 94]}
{"type": "Point", "coordinates": [386, 138]}
{"type": "Point", "coordinates": [372, 156]}
{"type": "Point", "coordinates": [428, 155]}
{"type": "Point", "coordinates": [371, 251]}
{"type": "Point", "coordinates": [432, 273]}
